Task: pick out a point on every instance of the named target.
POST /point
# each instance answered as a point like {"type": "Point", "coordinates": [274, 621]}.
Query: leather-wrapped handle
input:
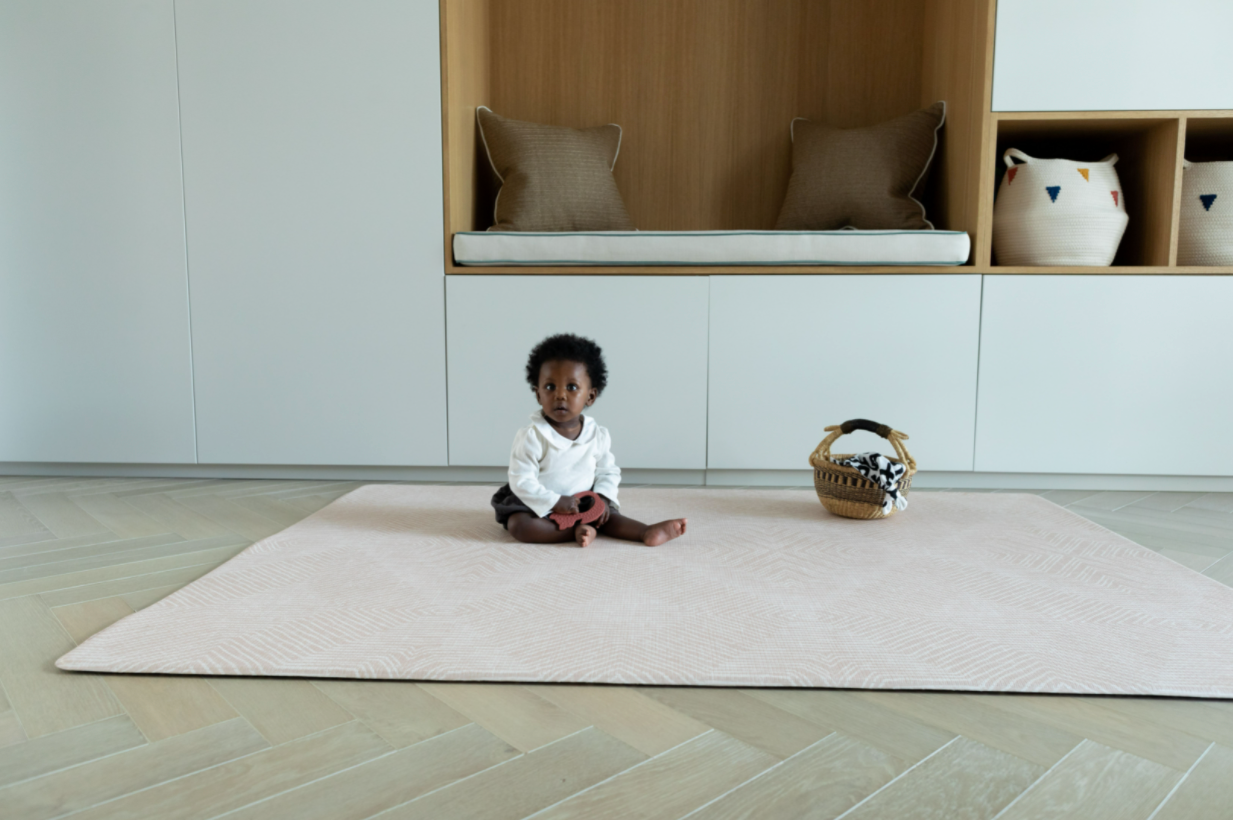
{"type": "Point", "coordinates": [850, 425]}
{"type": "Point", "coordinates": [822, 455]}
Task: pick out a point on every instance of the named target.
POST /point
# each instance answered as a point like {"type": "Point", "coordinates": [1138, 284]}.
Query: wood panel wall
{"type": "Point", "coordinates": [705, 91]}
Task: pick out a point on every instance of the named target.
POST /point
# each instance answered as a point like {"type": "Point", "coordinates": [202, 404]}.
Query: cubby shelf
{"type": "Point", "coordinates": [1151, 146]}
{"type": "Point", "coordinates": [705, 89]}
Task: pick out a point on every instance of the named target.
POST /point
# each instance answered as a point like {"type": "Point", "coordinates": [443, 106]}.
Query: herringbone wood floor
{"type": "Point", "coordinates": [77, 554]}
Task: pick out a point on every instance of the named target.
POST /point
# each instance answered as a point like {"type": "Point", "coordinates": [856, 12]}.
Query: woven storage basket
{"type": "Point", "coordinates": [1058, 212]}
{"type": "Point", "coordinates": [1205, 234]}
{"type": "Point", "coordinates": [842, 489]}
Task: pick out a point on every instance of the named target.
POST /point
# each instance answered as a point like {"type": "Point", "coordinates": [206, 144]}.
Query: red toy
{"type": "Point", "coordinates": [586, 512]}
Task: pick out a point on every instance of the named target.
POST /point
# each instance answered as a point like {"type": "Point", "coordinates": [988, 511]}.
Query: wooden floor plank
{"type": "Point", "coordinates": [276, 510]}
{"type": "Point", "coordinates": [119, 516]}
{"type": "Point", "coordinates": [60, 559]}
{"type": "Point", "coordinates": [92, 576]}
{"type": "Point", "coordinates": [1064, 497]}
{"type": "Point", "coordinates": [1095, 782]}
{"type": "Point", "coordinates": [46, 700]}
{"type": "Point", "coordinates": [525, 784]}
{"type": "Point", "coordinates": [964, 780]}
{"type": "Point", "coordinates": [513, 713]}
{"type": "Point", "coordinates": [234, 517]}
{"type": "Point", "coordinates": [1217, 502]}
{"type": "Point", "coordinates": [399, 711]}
{"type": "Point", "coordinates": [1110, 500]}
{"type": "Point", "coordinates": [670, 785]}
{"type": "Point", "coordinates": [1166, 501]}
{"type": "Point", "coordinates": [281, 709]}
{"type": "Point", "coordinates": [748, 719]}
{"type": "Point", "coordinates": [70, 747]}
{"type": "Point", "coordinates": [58, 513]}
{"type": "Point", "coordinates": [389, 781]}
{"type": "Point", "coordinates": [107, 778]}
{"type": "Point", "coordinates": [156, 547]}
{"type": "Point", "coordinates": [11, 730]}
{"type": "Point", "coordinates": [971, 716]}
{"type": "Point", "coordinates": [1222, 570]}
{"type": "Point", "coordinates": [177, 517]}
{"type": "Point", "coordinates": [1139, 736]}
{"type": "Point", "coordinates": [629, 716]}
{"type": "Point", "coordinates": [238, 783]}
{"type": "Point", "coordinates": [16, 520]}
{"type": "Point", "coordinates": [822, 781]}
{"type": "Point", "coordinates": [142, 598]}
{"type": "Point", "coordinates": [845, 712]}
{"type": "Point", "coordinates": [160, 705]}
{"type": "Point", "coordinates": [1207, 721]}
{"type": "Point", "coordinates": [141, 581]}
{"type": "Point", "coordinates": [1207, 791]}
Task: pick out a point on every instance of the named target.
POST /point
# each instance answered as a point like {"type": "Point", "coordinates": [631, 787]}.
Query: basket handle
{"type": "Point", "coordinates": [1017, 154]}
{"type": "Point", "coordinates": [823, 452]}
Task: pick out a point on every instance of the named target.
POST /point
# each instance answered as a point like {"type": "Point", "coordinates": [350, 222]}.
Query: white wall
{"type": "Point", "coordinates": [312, 168]}
{"type": "Point", "coordinates": [94, 339]}
{"type": "Point", "coordinates": [1094, 55]}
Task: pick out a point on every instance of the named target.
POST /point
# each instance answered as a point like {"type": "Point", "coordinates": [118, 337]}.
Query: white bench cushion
{"type": "Point", "coordinates": [712, 248]}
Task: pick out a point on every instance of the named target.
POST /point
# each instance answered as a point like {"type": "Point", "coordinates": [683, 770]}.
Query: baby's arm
{"type": "Point", "coordinates": [524, 474]}
{"type": "Point", "coordinates": [607, 473]}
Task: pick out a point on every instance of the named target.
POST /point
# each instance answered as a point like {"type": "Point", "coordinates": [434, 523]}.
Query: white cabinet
{"type": "Point", "coordinates": [1096, 55]}
{"type": "Point", "coordinates": [653, 333]}
{"type": "Point", "coordinates": [94, 341]}
{"type": "Point", "coordinates": [1106, 374]}
{"type": "Point", "coordinates": [793, 354]}
{"type": "Point", "coordinates": [312, 168]}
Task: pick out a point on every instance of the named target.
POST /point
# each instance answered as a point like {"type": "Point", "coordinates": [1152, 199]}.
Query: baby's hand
{"type": "Point", "coordinates": [566, 505]}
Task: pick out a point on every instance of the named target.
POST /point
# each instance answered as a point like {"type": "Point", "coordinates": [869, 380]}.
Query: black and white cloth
{"type": "Point", "coordinates": [881, 471]}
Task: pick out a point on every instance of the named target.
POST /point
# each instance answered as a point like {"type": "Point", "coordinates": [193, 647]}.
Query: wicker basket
{"type": "Point", "coordinates": [843, 490]}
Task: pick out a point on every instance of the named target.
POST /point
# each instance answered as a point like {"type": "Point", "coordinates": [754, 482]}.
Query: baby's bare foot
{"type": "Point", "coordinates": [664, 531]}
{"type": "Point", "coordinates": [584, 534]}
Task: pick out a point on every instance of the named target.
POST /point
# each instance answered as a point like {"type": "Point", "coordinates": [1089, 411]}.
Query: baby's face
{"type": "Point", "coordinates": [564, 391]}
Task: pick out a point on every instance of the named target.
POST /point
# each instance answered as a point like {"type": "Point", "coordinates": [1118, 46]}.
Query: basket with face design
{"type": "Point", "coordinates": [1205, 232]}
{"type": "Point", "coordinates": [1058, 212]}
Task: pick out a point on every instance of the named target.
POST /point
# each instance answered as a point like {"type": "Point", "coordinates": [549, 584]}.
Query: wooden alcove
{"type": "Point", "coordinates": [705, 91]}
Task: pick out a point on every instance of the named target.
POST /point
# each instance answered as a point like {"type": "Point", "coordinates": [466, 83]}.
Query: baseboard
{"type": "Point", "coordinates": [694, 478]}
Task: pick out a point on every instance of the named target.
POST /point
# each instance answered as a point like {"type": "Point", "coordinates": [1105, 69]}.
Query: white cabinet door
{"type": "Point", "coordinates": [94, 342]}
{"type": "Point", "coordinates": [653, 333]}
{"type": "Point", "coordinates": [1099, 55]}
{"type": "Point", "coordinates": [793, 354]}
{"type": "Point", "coordinates": [312, 169]}
{"type": "Point", "coordinates": [1106, 374]}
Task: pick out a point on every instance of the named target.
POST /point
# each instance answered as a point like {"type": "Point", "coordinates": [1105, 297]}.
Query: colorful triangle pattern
{"type": "Point", "coordinates": [1053, 190]}
{"type": "Point", "coordinates": [1114, 196]}
{"type": "Point", "coordinates": [1085, 172]}
{"type": "Point", "coordinates": [1010, 174]}
{"type": "Point", "coordinates": [1207, 200]}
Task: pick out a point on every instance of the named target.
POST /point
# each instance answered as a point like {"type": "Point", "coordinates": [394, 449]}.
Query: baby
{"type": "Point", "coordinates": [561, 453]}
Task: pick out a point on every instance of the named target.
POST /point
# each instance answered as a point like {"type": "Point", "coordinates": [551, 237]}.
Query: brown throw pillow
{"type": "Point", "coordinates": [860, 177]}
{"type": "Point", "coordinates": [553, 178]}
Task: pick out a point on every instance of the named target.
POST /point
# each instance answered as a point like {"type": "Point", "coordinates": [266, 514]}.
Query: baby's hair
{"type": "Point", "coordinates": [567, 347]}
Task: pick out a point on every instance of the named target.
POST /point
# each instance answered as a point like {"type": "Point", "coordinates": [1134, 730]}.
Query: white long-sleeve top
{"type": "Point", "coordinates": [544, 465]}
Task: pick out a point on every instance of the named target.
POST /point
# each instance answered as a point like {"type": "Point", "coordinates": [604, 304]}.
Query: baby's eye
{"type": "Point", "coordinates": [550, 386]}
{"type": "Point", "coordinates": [572, 387]}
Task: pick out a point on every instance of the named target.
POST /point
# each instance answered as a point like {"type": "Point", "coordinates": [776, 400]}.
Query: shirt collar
{"type": "Point", "coordinates": [559, 441]}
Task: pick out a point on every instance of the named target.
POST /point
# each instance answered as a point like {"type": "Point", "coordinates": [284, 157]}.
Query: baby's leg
{"type": "Point", "coordinates": [531, 530]}
{"type": "Point", "coordinates": [652, 535]}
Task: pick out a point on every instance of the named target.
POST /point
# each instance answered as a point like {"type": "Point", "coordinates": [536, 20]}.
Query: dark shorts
{"type": "Point", "coordinates": [506, 504]}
